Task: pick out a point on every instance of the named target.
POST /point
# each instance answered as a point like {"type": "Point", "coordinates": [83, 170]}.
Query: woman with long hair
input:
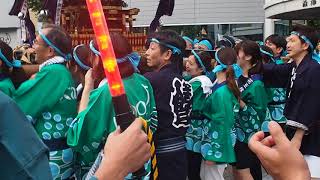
{"type": "Point", "coordinates": [96, 118]}
{"type": "Point", "coordinates": [253, 107]}
{"type": "Point", "coordinates": [221, 107]}
{"type": "Point", "coordinates": [79, 65]}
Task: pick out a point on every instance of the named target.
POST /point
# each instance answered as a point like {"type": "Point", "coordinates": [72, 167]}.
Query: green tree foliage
{"type": "Point", "coordinates": [35, 5]}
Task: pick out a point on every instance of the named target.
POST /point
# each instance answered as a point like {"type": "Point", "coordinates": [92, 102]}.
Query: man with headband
{"type": "Point", "coordinates": [49, 99]}
{"type": "Point", "coordinates": [173, 96]}
{"type": "Point", "coordinates": [303, 98]}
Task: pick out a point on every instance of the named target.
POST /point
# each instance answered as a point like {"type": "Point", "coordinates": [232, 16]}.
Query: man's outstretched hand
{"type": "Point", "coordinates": [278, 155]}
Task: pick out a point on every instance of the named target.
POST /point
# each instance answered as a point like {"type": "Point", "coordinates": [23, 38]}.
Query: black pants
{"type": "Point", "coordinates": [172, 165]}
{"type": "Point", "coordinates": [256, 171]}
{"type": "Point", "coordinates": [247, 159]}
{"type": "Point", "coordinates": [194, 164]}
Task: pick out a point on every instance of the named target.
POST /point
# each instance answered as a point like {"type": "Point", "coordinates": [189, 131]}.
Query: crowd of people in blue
{"type": "Point", "coordinates": [237, 102]}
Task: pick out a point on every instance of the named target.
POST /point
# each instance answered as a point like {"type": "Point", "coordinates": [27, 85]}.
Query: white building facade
{"type": "Point", "coordinates": [199, 12]}
{"type": "Point", "coordinates": [292, 9]}
{"type": "Point", "coordinates": [239, 17]}
{"type": "Point", "coordinates": [289, 10]}
{"type": "Point", "coordinates": [9, 25]}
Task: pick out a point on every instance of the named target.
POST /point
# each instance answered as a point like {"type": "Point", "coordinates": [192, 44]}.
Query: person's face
{"type": "Point", "coordinates": [276, 50]}
{"type": "Point", "coordinates": [243, 59]}
{"type": "Point", "coordinates": [42, 51]}
{"type": "Point", "coordinates": [188, 45]}
{"type": "Point", "coordinates": [196, 46]}
{"type": "Point", "coordinates": [192, 67]}
{"type": "Point", "coordinates": [203, 47]}
{"type": "Point", "coordinates": [156, 59]}
{"type": "Point", "coordinates": [295, 47]}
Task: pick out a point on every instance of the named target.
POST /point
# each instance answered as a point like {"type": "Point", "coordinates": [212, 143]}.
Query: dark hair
{"type": "Point", "coordinates": [121, 49]}
{"type": "Point", "coordinates": [309, 32]}
{"type": "Point", "coordinates": [58, 37]}
{"type": "Point", "coordinates": [205, 58]}
{"type": "Point", "coordinates": [266, 58]}
{"type": "Point", "coordinates": [251, 48]}
{"type": "Point", "coordinates": [8, 53]}
{"type": "Point", "coordinates": [172, 38]}
{"type": "Point", "coordinates": [277, 40]}
{"type": "Point", "coordinates": [228, 57]}
{"type": "Point", "coordinates": [227, 41]}
{"type": "Point", "coordinates": [83, 53]}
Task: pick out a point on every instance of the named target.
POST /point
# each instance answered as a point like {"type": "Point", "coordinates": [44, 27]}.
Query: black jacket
{"type": "Point", "coordinates": [173, 96]}
{"type": "Point", "coordinates": [302, 107]}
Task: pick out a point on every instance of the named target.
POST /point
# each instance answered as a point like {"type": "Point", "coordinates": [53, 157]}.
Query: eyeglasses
{"type": "Point", "coordinates": [36, 42]}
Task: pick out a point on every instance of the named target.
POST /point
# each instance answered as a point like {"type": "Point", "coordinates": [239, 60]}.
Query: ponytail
{"type": "Point", "coordinates": [257, 68]}
{"type": "Point", "coordinates": [231, 82]}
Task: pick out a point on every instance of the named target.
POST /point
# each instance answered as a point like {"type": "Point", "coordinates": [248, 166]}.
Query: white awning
{"type": "Point", "coordinates": [292, 9]}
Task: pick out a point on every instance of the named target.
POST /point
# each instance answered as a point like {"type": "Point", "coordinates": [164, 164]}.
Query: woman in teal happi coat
{"type": "Point", "coordinates": [197, 66]}
{"type": "Point", "coordinates": [96, 118]}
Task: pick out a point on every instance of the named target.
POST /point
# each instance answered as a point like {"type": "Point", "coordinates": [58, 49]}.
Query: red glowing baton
{"type": "Point", "coordinates": [124, 116]}
{"type": "Point", "coordinates": [109, 61]}
{"type": "Point", "coordinates": [122, 108]}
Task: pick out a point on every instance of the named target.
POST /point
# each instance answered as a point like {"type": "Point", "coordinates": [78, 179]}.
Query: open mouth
{"type": "Point", "coordinates": [188, 71]}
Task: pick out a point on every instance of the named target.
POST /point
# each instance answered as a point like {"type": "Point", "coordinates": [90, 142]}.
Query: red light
{"type": "Point", "coordinates": [109, 61]}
